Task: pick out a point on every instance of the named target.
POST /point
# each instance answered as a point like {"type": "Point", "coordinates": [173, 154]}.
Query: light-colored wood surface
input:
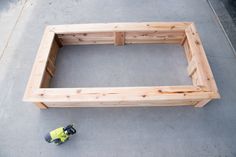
{"type": "Point", "coordinates": [202, 103]}
{"type": "Point", "coordinates": [119, 38]}
{"type": "Point", "coordinates": [41, 105]}
{"type": "Point", "coordinates": [126, 94]}
{"type": "Point", "coordinates": [120, 104]}
{"type": "Point", "coordinates": [191, 67]}
{"type": "Point", "coordinates": [120, 27]}
{"type": "Point", "coordinates": [184, 33]}
{"type": "Point", "coordinates": [39, 67]}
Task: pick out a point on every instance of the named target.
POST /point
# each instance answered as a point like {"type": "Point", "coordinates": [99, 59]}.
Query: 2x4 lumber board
{"type": "Point", "coordinates": [58, 41]}
{"type": "Point", "coordinates": [40, 63]}
{"type": "Point", "coordinates": [152, 41]}
{"type": "Point", "coordinates": [51, 68]}
{"type": "Point", "coordinates": [119, 104]}
{"type": "Point", "coordinates": [202, 103]}
{"type": "Point", "coordinates": [94, 42]}
{"type": "Point", "coordinates": [41, 105]}
{"type": "Point", "coordinates": [125, 94]}
{"type": "Point", "coordinates": [46, 80]}
{"type": "Point", "coordinates": [120, 27]}
{"type": "Point", "coordinates": [187, 51]}
{"type": "Point", "coordinates": [183, 40]}
{"type": "Point", "coordinates": [194, 78]}
{"type": "Point", "coordinates": [86, 38]}
{"type": "Point", "coordinates": [119, 38]}
{"type": "Point", "coordinates": [205, 74]}
{"type": "Point", "coordinates": [154, 37]}
{"type": "Point", "coordinates": [53, 52]}
{"type": "Point", "coordinates": [191, 67]}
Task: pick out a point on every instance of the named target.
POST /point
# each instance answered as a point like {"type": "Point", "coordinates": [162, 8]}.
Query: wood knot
{"type": "Point", "coordinates": [147, 25]}
{"type": "Point", "coordinates": [197, 42]}
{"type": "Point", "coordinates": [41, 94]}
{"type": "Point", "coordinates": [172, 27]}
{"type": "Point", "coordinates": [144, 96]}
{"type": "Point", "coordinates": [68, 96]}
{"type": "Point", "coordinates": [160, 91]}
{"type": "Point", "coordinates": [85, 34]}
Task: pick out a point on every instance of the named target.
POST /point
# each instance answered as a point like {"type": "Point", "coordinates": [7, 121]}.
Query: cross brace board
{"type": "Point", "coordinates": [201, 92]}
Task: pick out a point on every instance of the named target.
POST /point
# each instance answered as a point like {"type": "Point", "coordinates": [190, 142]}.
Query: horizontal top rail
{"type": "Point", "coordinates": [120, 94]}
{"type": "Point", "coordinates": [118, 27]}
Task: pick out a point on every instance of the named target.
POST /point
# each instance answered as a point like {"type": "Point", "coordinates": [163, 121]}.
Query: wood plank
{"type": "Point", "coordinates": [119, 104]}
{"type": "Point", "coordinates": [70, 42]}
{"type": "Point", "coordinates": [40, 63]}
{"type": "Point", "coordinates": [86, 38]}
{"type": "Point", "coordinates": [191, 67]}
{"type": "Point", "coordinates": [51, 68]}
{"type": "Point", "coordinates": [152, 41]}
{"type": "Point", "coordinates": [202, 76]}
{"type": "Point", "coordinates": [120, 27]}
{"type": "Point", "coordinates": [53, 52]}
{"type": "Point", "coordinates": [119, 38]}
{"type": "Point", "coordinates": [187, 51]}
{"type": "Point", "coordinates": [152, 36]}
{"type": "Point", "coordinates": [202, 103]}
{"type": "Point", "coordinates": [41, 105]}
{"type": "Point", "coordinates": [130, 37]}
{"type": "Point", "coordinates": [46, 80]}
{"type": "Point", "coordinates": [127, 94]}
{"type": "Point", "coordinates": [205, 76]}
{"type": "Point", "coordinates": [58, 41]}
{"type": "Point", "coordinates": [183, 40]}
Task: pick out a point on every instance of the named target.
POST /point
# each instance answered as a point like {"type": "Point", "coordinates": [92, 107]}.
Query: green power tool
{"type": "Point", "coordinates": [60, 135]}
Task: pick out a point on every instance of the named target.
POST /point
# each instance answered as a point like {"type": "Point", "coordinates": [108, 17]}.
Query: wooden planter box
{"type": "Point", "coordinates": [201, 92]}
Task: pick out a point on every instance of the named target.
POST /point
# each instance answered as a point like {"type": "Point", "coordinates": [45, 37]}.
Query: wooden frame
{"type": "Point", "coordinates": [201, 92]}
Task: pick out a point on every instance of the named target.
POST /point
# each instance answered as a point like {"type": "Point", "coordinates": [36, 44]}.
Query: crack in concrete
{"type": "Point", "coordinates": [12, 31]}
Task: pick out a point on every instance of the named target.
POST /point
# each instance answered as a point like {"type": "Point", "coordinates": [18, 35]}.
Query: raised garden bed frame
{"type": "Point", "coordinates": [200, 93]}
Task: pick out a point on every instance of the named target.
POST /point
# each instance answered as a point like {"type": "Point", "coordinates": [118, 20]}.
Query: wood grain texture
{"type": "Point", "coordinates": [41, 105]}
{"type": "Point", "coordinates": [202, 103]}
{"type": "Point", "coordinates": [119, 38]}
{"type": "Point", "coordinates": [184, 33]}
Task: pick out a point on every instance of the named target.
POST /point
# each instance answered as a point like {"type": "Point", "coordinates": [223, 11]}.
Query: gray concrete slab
{"type": "Point", "coordinates": [10, 11]}
{"type": "Point", "coordinates": [150, 131]}
{"type": "Point", "coordinates": [130, 65]}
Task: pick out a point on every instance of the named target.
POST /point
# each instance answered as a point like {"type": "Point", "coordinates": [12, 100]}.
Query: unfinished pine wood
{"type": "Point", "coordinates": [161, 37]}
{"type": "Point", "coordinates": [191, 67]}
{"type": "Point", "coordinates": [86, 38]}
{"type": "Point", "coordinates": [41, 105]}
{"type": "Point", "coordinates": [119, 38]}
{"type": "Point", "coordinates": [120, 104]}
{"type": "Point", "coordinates": [205, 75]}
{"type": "Point", "coordinates": [199, 94]}
{"type": "Point", "coordinates": [120, 27]}
{"type": "Point", "coordinates": [187, 51]}
{"type": "Point", "coordinates": [51, 68]}
{"type": "Point", "coordinates": [202, 103]}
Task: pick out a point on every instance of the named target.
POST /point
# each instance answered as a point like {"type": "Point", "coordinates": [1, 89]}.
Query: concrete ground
{"type": "Point", "coordinates": [133, 132]}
